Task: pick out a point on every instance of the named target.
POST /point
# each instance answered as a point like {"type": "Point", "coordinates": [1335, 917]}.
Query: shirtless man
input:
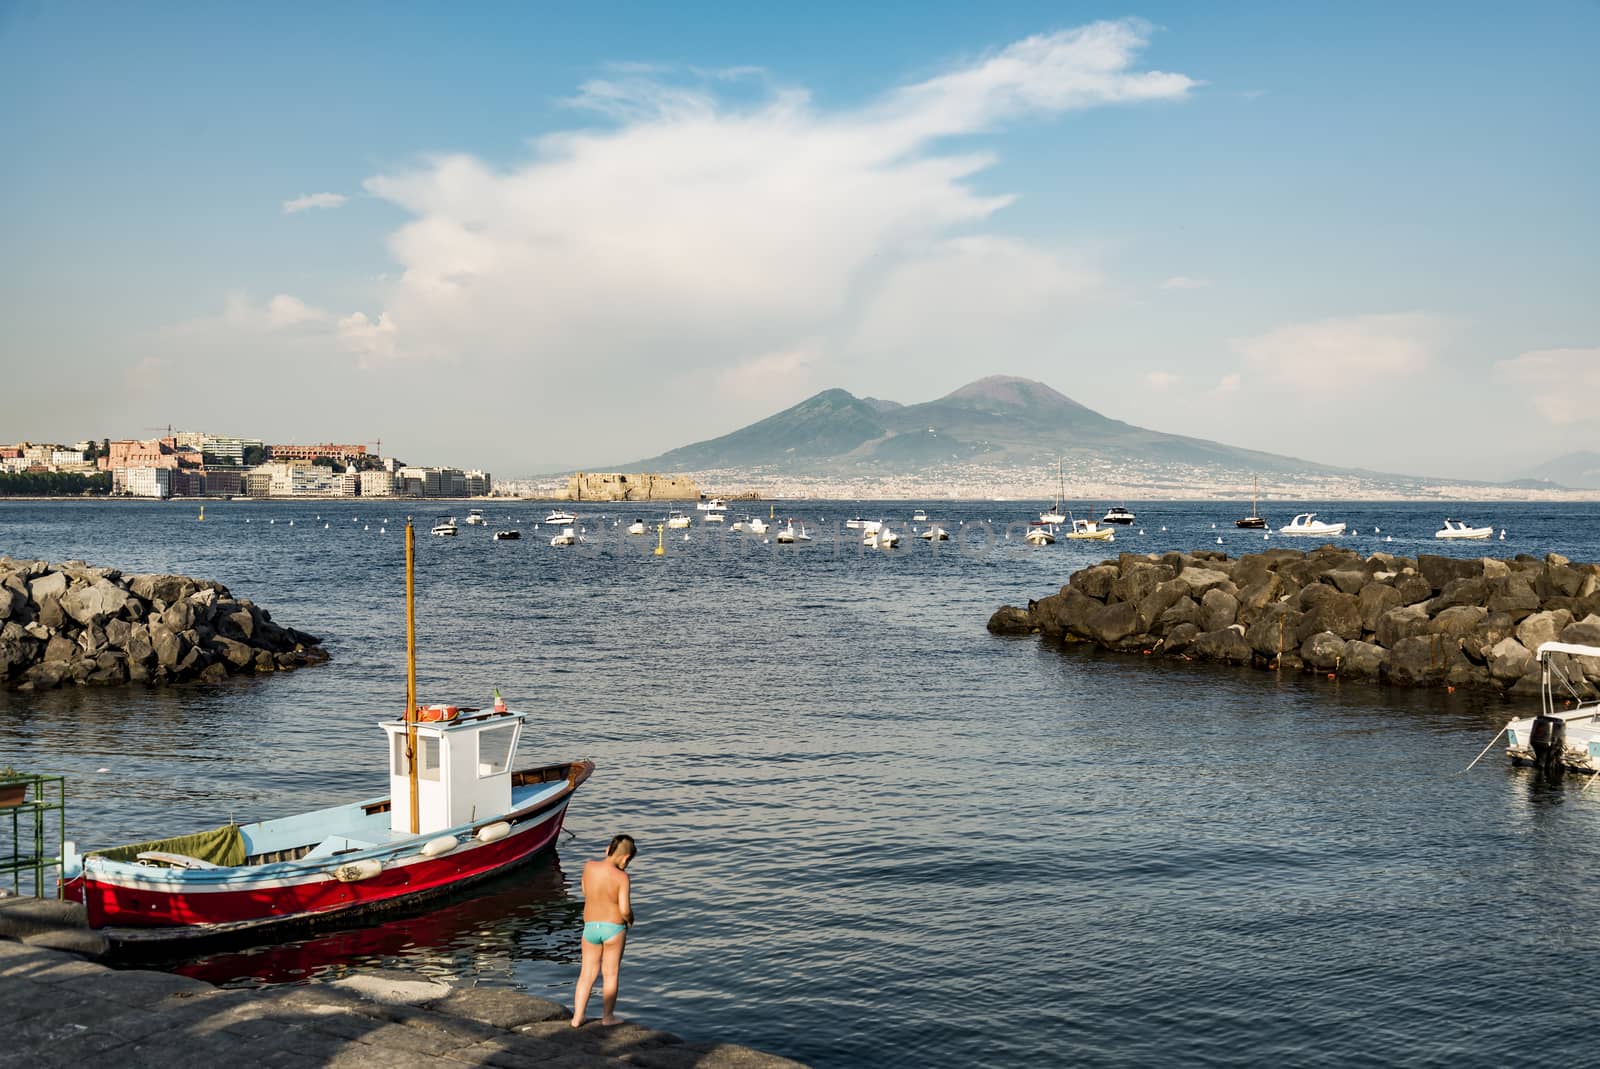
{"type": "Point", "coordinates": [607, 914]}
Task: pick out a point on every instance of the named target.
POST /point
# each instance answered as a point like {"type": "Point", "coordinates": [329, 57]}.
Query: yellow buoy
{"type": "Point", "coordinates": [661, 541]}
{"type": "Point", "coordinates": [202, 514]}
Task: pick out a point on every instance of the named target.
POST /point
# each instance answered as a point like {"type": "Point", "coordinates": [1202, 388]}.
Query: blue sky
{"type": "Point", "coordinates": [560, 237]}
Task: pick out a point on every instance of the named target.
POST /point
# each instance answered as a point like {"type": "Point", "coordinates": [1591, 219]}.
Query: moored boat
{"type": "Point", "coordinates": [475, 518]}
{"type": "Point", "coordinates": [561, 516]}
{"type": "Point", "coordinates": [637, 527]}
{"type": "Point", "coordinates": [1457, 529]}
{"type": "Point", "coordinates": [446, 527]}
{"type": "Point", "coordinates": [1091, 531]}
{"type": "Point", "coordinates": [1117, 514]}
{"type": "Point", "coordinates": [711, 504]}
{"type": "Point", "coordinates": [1306, 523]}
{"type": "Point", "coordinates": [1040, 534]}
{"type": "Point", "coordinates": [457, 812]}
{"type": "Point", "coordinates": [507, 536]}
{"type": "Point", "coordinates": [1560, 738]}
{"type": "Point", "coordinates": [935, 534]}
{"type": "Point", "coordinates": [568, 537]}
{"type": "Point", "coordinates": [677, 521]}
{"type": "Point", "coordinates": [1252, 522]}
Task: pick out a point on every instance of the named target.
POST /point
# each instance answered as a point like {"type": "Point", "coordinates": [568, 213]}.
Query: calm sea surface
{"type": "Point", "coordinates": [870, 832]}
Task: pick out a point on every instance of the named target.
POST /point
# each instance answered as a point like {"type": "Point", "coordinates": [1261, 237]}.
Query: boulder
{"type": "Point", "coordinates": [1225, 645]}
{"type": "Point", "coordinates": [1401, 623]}
{"type": "Point", "coordinates": [1347, 580]}
{"type": "Point", "coordinates": [47, 675]}
{"type": "Point", "coordinates": [1508, 660]}
{"type": "Point", "coordinates": [94, 603]}
{"type": "Point", "coordinates": [1274, 630]}
{"type": "Point", "coordinates": [1254, 598]}
{"type": "Point", "coordinates": [1438, 571]}
{"type": "Point", "coordinates": [1421, 659]}
{"type": "Point", "coordinates": [47, 585]}
{"type": "Point", "coordinates": [1138, 580]}
{"type": "Point", "coordinates": [1374, 600]}
{"type": "Point", "coordinates": [168, 645]}
{"type": "Point", "coordinates": [1185, 611]}
{"type": "Point", "coordinates": [1458, 622]}
{"type": "Point", "coordinates": [1218, 609]}
{"type": "Point", "coordinates": [1324, 650]}
{"type": "Point", "coordinates": [1585, 632]}
{"type": "Point", "coordinates": [179, 616]}
{"type": "Point", "coordinates": [1363, 660]}
{"type": "Point", "coordinates": [1200, 580]}
{"type": "Point", "coordinates": [1512, 594]}
{"type": "Point", "coordinates": [1459, 592]}
{"type": "Point", "coordinates": [50, 612]}
{"type": "Point", "coordinates": [1109, 624]}
{"type": "Point", "coordinates": [241, 656]}
{"type": "Point", "coordinates": [241, 624]}
{"type": "Point", "coordinates": [61, 649]}
{"type": "Point", "coordinates": [1094, 582]}
{"type": "Point", "coordinates": [1007, 620]}
{"type": "Point", "coordinates": [168, 589]}
{"type": "Point", "coordinates": [8, 601]}
{"type": "Point", "coordinates": [1336, 612]}
{"type": "Point", "coordinates": [1180, 637]}
{"type": "Point", "coordinates": [117, 632]}
{"type": "Point", "coordinates": [139, 648]}
{"type": "Point", "coordinates": [1159, 600]}
{"type": "Point", "coordinates": [1558, 581]}
{"type": "Point", "coordinates": [1542, 627]}
{"type": "Point", "coordinates": [1488, 634]}
{"type": "Point", "coordinates": [1412, 588]}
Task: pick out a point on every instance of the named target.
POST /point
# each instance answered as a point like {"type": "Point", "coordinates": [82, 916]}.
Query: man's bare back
{"type": "Point", "coordinates": [605, 893]}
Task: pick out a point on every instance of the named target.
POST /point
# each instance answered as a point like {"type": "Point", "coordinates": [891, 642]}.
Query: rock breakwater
{"type": "Point", "coordinates": [75, 623]}
{"type": "Point", "coordinates": [1430, 621]}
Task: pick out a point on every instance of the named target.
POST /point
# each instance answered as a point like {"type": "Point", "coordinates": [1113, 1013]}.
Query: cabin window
{"type": "Point", "coordinates": [429, 767]}
{"type": "Point", "coordinates": [494, 749]}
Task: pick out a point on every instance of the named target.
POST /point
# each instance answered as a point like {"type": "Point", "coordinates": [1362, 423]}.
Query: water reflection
{"type": "Point", "coordinates": [525, 915]}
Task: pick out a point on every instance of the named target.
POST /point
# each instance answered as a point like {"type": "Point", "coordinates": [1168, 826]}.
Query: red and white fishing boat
{"type": "Point", "coordinates": [456, 813]}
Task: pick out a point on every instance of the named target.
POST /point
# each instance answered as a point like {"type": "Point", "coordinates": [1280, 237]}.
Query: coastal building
{"type": "Point", "coordinates": [377, 483]}
{"type": "Point", "coordinates": [620, 486]}
{"type": "Point", "coordinates": [300, 479]}
{"type": "Point", "coordinates": [258, 483]}
{"type": "Point", "coordinates": [142, 482]}
{"type": "Point", "coordinates": [344, 454]}
{"type": "Point", "coordinates": [152, 453]}
{"type": "Point", "coordinates": [417, 481]}
{"type": "Point", "coordinates": [66, 458]}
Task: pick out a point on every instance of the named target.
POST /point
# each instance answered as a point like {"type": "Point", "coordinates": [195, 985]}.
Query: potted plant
{"type": "Point", "coordinates": [13, 787]}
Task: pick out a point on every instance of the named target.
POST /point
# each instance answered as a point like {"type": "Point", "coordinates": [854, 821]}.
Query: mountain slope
{"type": "Point", "coordinates": [999, 421]}
{"type": "Point", "coordinates": [1579, 470]}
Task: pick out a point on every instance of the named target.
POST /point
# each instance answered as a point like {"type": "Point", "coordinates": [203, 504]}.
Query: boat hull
{"type": "Point", "coordinates": [131, 905]}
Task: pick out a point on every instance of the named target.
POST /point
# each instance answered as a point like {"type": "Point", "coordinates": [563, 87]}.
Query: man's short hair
{"type": "Point", "coordinates": [622, 844]}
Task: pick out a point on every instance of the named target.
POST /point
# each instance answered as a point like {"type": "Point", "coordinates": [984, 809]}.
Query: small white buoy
{"type": "Point", "coordinates": [102, 770]}
{"type": "Point", "coordinates": [1502, 534]}
{"type": "Point", "coordinates": [319, 517]}
{"type": "Point", "coordinates": [246, 521]}
{"type": "Point", "coordinates": [1163, 527]}
{"type": "Point", "coordinates": [1213, 527]}
{"type": "Point", "coordinates": [291, 523]}
{"type": "Point", "coordinates": [272, 523]}
{"type": "Point", "coordinates": [1266, 536]}
{"type": "Point", "coordinates": [686, 536]}
{"type": "Point", "coordinates": [1388, 538]}
{"type": "Point", "coordinates": [366, 527]}
{"type": "Point", "coordinates": [383, 530]}
{"type": "Point", "coordinates": [1219, 539]}
{"type": "Point", "coordinates": [324, 527]}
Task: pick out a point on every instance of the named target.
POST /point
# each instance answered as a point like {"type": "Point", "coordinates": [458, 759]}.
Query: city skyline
{"type": "Point", "coordinates": [540, 241]}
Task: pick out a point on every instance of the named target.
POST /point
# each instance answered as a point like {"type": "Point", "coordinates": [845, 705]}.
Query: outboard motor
{"type": "Point", "coordinates": [1549, 738]}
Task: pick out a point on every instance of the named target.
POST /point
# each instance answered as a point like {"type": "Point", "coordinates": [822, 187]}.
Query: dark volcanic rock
{"type": "Point", "coordinates": [1224, 645]}
{"type": "Point", "coordinates": [1007, 620]}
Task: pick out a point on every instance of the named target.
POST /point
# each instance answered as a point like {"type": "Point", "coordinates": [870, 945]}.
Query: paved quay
{"type": "Point", "coordinates": [58, 1008]}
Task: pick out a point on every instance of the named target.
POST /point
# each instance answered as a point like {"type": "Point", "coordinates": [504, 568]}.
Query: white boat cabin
{"type": "Point", "coordinates": [463, 770]}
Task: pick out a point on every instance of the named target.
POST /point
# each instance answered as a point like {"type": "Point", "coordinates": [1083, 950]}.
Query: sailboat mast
{"type": "Point", "coordinates": [411, 674]}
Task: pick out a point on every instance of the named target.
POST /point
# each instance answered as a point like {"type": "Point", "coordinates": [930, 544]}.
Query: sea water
{"type": "Point", "coordinates": [870, 832]}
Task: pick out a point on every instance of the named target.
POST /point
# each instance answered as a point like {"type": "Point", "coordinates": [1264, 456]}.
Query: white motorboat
{"type": "Point", "coordinates": [880, 537]}
{"type": "Point", "coordinates": [561, 516]}
{"type": "Point", "coordinates": [507, 536]}
{"type": "Point", "coordinates": [935, 534]}
{"type": "Point", "coordinates": [802, 535]}
{"type": "Point", "coordinates": [856, 523]}
{"type": "Point", "coordinates": [1040, 534]}
{"type": "Point", "coordinates": [714, 517]}
{"type": "Point", "coordinates": [475, 518]}
{"type": "Point", "coordinates": [712, 504]}
{"type": "Point", "coordinates": [1306, 523]}
{"type": "Point", "coordinates": [919, 516]}
{"type": "Point", "coordinates": [757, 525]}
{"type": "Point", "coordinates": [567, 537]}
{"type": "Point", "coordinates": [446, 527]}
{"type": "Point", "coordinates": [1091, 531]}
{"type": "Point", "coordinates": [1457, 529]}
{"type": "Point", "coordinates": [677, 521]}
{"type": "Point", "coordinates": [786, 534]}
{"type": "Point", "coordinates": [1560, 738]}
{"type": "Point", "coordinates": [867, 527]}
{"type": "Point", "coordinates": [1117, 514]}
{"type": "Point", "coordinates": [637, 527]}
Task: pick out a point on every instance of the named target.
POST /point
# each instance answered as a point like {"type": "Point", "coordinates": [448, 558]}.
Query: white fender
{"type": "Point", "coordinates": [364, 869]}
{"type": "Point", "coordinates": [491, 832]}
{"type": "Point", "coordinates": [439, 847]}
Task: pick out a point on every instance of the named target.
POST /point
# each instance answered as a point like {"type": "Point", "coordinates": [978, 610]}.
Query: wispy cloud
{"type": "Point", "coordinates": [1561, 383]}
{"type": "Point", "coordinates": [1184, 282]}
{"type": "Point", "coordinates": [1161, 380]}
{"type": "Point", "coordinates": [313, 200]}
{"type": "Point", "coordinates": [1341, 356]}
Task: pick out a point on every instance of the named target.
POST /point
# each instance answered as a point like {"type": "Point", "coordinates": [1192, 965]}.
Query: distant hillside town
{"type": "Point", "coordinates": [197, 464]}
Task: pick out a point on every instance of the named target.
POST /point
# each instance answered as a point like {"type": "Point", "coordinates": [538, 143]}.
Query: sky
{"type": "Point", "coordinates": [532, 237]}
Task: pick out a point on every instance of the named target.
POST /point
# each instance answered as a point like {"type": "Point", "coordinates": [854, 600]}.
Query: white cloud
{"type": "Point", "coordinates": [1183, 282]}
{"type": "Point", "coordinates": [1227, 384]}
{"type": "Point", "coordinates": [777, 378]}
{"type": "Point", "coordinates": [1561, 383]}
{"type": "Point", "coordinates": [1161, 380]}
{"type": "Point", "coordinates": [313, 200]}
{"type": "Point", "coordinates": [1342, 355]}
{"type": "Point", "coordinates": [697, 233]}
{"type": "Point", "coordinates": [279, 312]}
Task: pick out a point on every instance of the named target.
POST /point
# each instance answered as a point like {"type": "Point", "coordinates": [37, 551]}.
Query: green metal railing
{"type": "Point", "coordinates": [41, 809]}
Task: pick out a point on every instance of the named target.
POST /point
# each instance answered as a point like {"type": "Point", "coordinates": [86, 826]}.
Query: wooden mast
{"type": "Point", "coordinates": [411, 675]}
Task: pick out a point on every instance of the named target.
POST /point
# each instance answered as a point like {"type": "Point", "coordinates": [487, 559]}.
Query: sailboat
{"type": "Point", "coordinates": [1054, 516]}
{"type": "Point", "coordinates": [1253, 521]}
